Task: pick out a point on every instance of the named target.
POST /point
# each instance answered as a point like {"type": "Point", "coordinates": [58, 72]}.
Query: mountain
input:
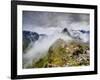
{"type": "Point", "coordinates": [48, 50]}
{"type": "Point", "coordinates": [62, 54]}
{"type": "Point", "coordinates": [41, 36]}
{"type": "Point", "coordinates": [29, 37]}
{"type": "Point", "coordinates": [83, 31]}
{"type": "Point", "coordinates": [65, 30]}
{"type": "Point", "coordinates": [80, 35]}
{"type": "Point", "coordinates": [68, 54]}
{"type": "Point", "coordinates": [32, 36]}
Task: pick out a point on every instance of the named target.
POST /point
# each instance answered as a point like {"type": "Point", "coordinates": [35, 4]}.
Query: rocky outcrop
{"type": "Point", "coordinates": [62, 54]}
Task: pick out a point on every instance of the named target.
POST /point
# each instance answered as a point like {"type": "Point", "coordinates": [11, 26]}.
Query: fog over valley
{"type": "Point", "coordinates": [42, 29]}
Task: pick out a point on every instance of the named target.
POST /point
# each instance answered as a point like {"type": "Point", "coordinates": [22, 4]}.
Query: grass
{"type": "Point", "coordinates": [64, 54]}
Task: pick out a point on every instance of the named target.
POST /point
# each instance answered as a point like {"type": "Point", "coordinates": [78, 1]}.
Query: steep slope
{"type": "Point", "coordinates": [63, 54]}
{"type": "Point", "coordinates": [29, 37]}
{"type": "Point", "coordinates": [68, 54]}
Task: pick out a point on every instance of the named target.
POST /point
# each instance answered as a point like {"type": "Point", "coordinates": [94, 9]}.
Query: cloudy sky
{"type": "Point", "coordinates": [53, 19]}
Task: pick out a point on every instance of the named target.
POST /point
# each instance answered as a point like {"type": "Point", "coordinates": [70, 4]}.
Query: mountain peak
{"type": "Point", "coordinates": [65, 30]}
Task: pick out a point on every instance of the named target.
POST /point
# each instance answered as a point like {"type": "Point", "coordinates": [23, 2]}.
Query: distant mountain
{"type": "Point", "coordinates": [41, 36]}
{"type": "Point", "coordinates": [65, 30]}
{"type": "Point", "coordinates": [29, 37]}
{"type": "Point", "coordinates": [80, 35]}
{"type": "Point", "coordinates": [83, 31]}
{"type": "Point", "coordinates": [32, 36]}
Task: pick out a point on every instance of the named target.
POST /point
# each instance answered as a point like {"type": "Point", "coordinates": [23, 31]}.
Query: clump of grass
{"type": "Point", "coordinates": [41, 62]}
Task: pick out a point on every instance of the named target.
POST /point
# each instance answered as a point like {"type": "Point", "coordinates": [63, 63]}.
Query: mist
{"type": "Point", "coordinates": [51, 24]}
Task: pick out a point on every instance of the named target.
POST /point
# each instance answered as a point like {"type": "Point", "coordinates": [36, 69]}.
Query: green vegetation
{"type": "Point", "coordinates": [41, 63]}
{"type": "Point", "coordinates": [63, 54]}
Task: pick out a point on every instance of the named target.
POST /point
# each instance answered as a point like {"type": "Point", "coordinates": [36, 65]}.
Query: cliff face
{"type": "Point", "coordinates": [62, 54]}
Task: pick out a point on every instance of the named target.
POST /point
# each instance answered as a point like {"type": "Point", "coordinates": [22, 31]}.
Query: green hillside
{"type": "Point", "coordinates": [63, 53]}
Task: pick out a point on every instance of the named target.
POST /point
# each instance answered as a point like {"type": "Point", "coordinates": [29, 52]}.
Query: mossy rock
{"type": "Point", "coordinates": [67, 54]}
{"type": "Point", "coordinates": [62, 54]}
